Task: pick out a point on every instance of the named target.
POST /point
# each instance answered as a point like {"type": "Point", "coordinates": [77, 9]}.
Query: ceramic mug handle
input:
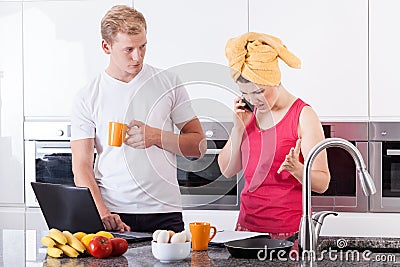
{"type": "Point", "coordinates": [214, 232]}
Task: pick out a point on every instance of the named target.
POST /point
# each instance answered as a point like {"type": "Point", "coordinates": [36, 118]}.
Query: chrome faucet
{"type": "Point", "coordinates": [308, 233]}
{"type": "Point", "coordinates": [318, 219]}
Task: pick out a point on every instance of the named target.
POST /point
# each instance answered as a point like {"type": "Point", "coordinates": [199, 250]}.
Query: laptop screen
{"type": "Point", "coordinates": [67, 207]}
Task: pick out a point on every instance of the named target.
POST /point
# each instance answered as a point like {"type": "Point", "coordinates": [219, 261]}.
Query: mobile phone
{"type": "Point", "coordinates": [248, 106]}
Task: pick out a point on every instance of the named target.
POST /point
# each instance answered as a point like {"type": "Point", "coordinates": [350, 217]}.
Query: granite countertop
{"type": "Point", "coordinates": [14, 242]}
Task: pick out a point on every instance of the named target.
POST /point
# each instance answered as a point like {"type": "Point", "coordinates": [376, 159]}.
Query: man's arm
{"type": "Point", "coordinates": [190, 142]}
{"type": "Point", "coordinates": [82, 167]}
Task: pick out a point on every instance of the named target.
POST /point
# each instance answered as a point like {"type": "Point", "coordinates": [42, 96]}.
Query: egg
{"type": "Point", "coordinates": [171, 233]}
{"type": "Point", "coordinates": [188, 235]}
{"type": "Point", "coordinates": [163, 236]}
{"type": "Point", "coordinates": [178, 238]}
{"type": "Point", "coordinates": [155, 234]}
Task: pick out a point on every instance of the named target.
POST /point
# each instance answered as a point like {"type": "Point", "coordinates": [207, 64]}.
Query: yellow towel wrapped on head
{"type": "Point", "coordinates": [255, 57]}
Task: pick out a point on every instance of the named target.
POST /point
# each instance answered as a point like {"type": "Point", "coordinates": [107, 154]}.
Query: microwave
{"type": "Point", "coordinates": [385, 166]}
{"type": "Point", "coordinates": [344, 192]}
{"type": "Point", "coordinates": [200, 180]}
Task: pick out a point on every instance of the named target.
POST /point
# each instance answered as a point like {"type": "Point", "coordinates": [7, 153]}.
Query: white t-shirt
{"type": "Point", "coordinates": [133, 180]}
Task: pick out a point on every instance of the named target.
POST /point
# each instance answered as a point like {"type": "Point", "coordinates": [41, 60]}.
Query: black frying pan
{"type": "Point", "coordinates": [259, 247]}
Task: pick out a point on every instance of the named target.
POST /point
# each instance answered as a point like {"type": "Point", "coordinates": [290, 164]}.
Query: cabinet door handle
{"type": "Point", "coordinates": [393, 152]}
{"type": "Point", "coordinates": [213, 151]}
{"type": "Point", "coordinates": [54, 151]}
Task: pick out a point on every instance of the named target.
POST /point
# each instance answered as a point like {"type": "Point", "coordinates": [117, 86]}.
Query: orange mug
{"type": "Point", "coordinates": [116, 133]}
{"type": "Point", "coordinates": [201, 234]}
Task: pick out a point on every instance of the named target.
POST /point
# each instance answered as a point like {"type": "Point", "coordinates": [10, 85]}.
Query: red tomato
{"type": "Point", "coordinates": [119, 246]}
{"type": "Point", "coordinates": [100, 247]}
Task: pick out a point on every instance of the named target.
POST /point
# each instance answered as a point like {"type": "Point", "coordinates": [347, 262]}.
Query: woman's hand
{"type": "Point", "coordinates": [242, 116]}
{"type": "Point", "coordinates": [292, 163]}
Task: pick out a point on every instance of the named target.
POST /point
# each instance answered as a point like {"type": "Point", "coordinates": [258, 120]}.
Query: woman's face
{"type": "Point", "coordinates": [263, 97]}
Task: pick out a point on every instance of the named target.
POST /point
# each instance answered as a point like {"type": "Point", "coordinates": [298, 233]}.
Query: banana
{"type": "Point", "coordinates": [68, 250]}
{"type": "Point", "coordinates": [58, 236]}
{"type": "Point", "coordinates": [47, 241]}
{"type": "Point", "coordinates": [79, 235]}
{"type": "Point", "coordinates": [74, 242]}
{"type": "Point", "coordinates": [54, 252]}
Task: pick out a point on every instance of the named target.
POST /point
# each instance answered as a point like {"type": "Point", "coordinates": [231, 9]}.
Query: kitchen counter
{"type": "Point", "coordinates": [23, 248]}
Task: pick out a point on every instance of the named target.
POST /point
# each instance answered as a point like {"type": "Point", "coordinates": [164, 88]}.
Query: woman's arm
{"type": "Point", "coordinates": [230, 157]}
{"type": "Point", "coordinates": [310, 133]}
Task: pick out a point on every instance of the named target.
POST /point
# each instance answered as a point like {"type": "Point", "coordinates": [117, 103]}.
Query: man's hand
{"type": "Point", "coordinates": [112, 222]}
{"type": "Point", "coordinates": [291, 162]}
{"type": "Point", "coordinates": [142, 136]}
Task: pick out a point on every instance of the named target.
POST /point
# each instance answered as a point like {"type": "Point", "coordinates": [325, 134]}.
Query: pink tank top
{"type": "Point", "coordinates": [270, 202]}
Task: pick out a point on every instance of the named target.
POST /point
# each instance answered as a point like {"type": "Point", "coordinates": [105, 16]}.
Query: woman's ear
{"type": "Point", "coordinates": [106, 47]}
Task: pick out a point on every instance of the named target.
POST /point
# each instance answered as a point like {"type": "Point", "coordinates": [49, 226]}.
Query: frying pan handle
{"type": "Point", "coordinates": [214, 232]}
{"type": "Point", "coordinates": [293, 237]}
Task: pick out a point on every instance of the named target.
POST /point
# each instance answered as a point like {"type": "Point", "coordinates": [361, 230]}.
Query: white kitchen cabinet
{"type": "Point", "coordinates": [12, 217]}
{"type": "Point", "coordinates": [11, 105]}
{"type": "Point", "coordinates": [188, 38]}
{"type": "Point", "coordinates": [182, 31]}
{"type": "Point", "coordinates": [331, 39]}
{"type": "Point", "coordinates": [62, 52]}
{"type": "Point", "coordinates": [384, 55]}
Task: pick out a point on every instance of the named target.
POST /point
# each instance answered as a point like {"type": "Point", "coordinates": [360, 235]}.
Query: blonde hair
{"type": "Point", "coordinates": [122, 19]}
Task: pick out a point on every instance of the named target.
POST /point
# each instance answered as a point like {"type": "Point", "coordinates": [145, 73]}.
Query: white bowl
{"type": "Point", "coordinates": [167, 252]}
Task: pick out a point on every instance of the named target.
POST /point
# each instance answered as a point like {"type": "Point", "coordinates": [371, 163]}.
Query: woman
{"type": "Point", "coordinates": [271, 142]}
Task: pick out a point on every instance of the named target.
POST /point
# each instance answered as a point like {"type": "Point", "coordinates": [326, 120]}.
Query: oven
{"type": "Point", "coordinates": [344, 192]}
{"type": "Point", "coordinates": [47, 154]}
{"type": "Point", "coordinates": [385, 166]}
{"type": "Point", "coordinates": [200, 180]}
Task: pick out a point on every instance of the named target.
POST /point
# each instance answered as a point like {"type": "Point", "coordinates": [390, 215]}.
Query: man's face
{"type": "Point", "coordinates": [126, 54]}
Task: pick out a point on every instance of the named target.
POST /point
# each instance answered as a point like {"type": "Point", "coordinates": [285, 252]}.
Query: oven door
{"type": "Point", "coordinates": [385, 170]}
{"type": "Point", "coordinates": [204, 187]}
{"type": "Point", "coordinates": [46, 162]}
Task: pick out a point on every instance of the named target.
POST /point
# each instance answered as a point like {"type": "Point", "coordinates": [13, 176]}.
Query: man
{"type": "Point", "coordinates": [134, 186]}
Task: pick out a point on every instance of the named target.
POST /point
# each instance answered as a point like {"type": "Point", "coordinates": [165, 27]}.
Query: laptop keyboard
{"type": "Point", "coordinates": [133, 235]}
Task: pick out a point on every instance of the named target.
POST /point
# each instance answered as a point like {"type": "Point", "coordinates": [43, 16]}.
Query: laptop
{"type": "Point", "coordinates": [73, 209]}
